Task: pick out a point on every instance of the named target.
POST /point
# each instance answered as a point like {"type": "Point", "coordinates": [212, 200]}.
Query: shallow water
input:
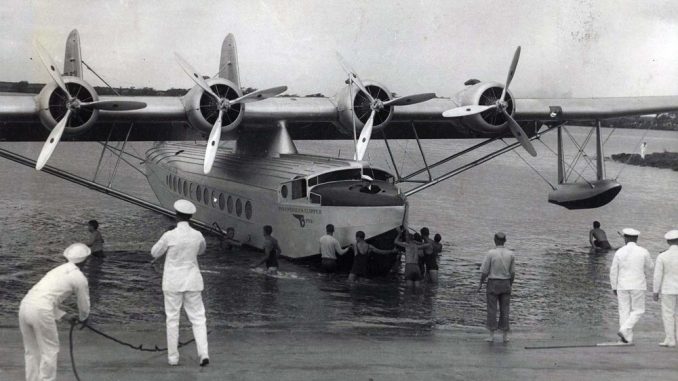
{"type": "Point", "coordinates": [558, 283]}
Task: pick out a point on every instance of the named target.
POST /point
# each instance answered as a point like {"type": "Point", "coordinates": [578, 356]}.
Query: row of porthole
{"type": "Point", "coordinates": [190, 190]}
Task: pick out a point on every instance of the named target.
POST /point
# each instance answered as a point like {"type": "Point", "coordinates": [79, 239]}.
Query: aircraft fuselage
{"type": "Point", "coordinates": [298, 195]}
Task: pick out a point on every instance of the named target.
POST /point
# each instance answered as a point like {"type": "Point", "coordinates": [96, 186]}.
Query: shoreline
{"type": "Point", "coordinates": [663, 160]}
{"type": "Point", "coordinates": [457, 353]}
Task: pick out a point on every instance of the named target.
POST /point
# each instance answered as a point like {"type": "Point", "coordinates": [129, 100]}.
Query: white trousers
{"type": "Point", "coordinates": [41, 341]}
{"type": "Point", "coordinates": [192, 302]}
{"type": "Point", "coordinates": [669, 317]}
{"type": "Point", "coordinates": [631, 308]}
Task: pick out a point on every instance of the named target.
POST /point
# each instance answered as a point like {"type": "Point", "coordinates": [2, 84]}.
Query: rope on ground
{"type": "Point", "coordinates": [98, 332]}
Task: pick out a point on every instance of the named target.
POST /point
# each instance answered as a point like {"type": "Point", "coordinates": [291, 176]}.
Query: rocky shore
{"type": "Point", "coordinates": [656, 159]}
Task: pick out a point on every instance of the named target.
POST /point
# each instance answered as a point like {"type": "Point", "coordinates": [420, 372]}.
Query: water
{"type": "Point", "coordinates": [558, 283]}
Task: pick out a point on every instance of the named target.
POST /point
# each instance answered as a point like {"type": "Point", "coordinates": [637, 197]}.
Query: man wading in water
{"type": "Point", "coordinates": [498, 270]}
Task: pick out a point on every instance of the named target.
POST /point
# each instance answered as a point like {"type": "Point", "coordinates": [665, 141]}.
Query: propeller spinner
{"type": "Point", "coordinates": [500, 106]}
{"type": "Point", "coordinates": [223, 104]}
{"type": "Point", "coordinates": [72, 105]}
{"type": "Point", "coordinates": [375, 105]}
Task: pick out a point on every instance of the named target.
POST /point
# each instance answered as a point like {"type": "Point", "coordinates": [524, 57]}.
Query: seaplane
{"type": "Point", "coordinates": [263, 179]}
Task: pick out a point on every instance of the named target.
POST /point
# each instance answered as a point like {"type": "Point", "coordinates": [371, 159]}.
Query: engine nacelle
{"type": "Point", "coordinates": [52, 102]}
{"type": "Point", "coordinates": [202, 109]}
{"type": "Point", "coordinates": [354, 105]}
{"type": "Point", "coordinates": [485, 93]}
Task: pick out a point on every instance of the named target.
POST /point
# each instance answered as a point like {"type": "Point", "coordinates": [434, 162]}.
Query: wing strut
{"type": "Point", "coordinates": [75, 179]}
{"type": "Point", "coordinates": [466, 167]}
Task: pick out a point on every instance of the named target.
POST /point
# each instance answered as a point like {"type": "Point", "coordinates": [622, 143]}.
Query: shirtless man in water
{"type": "Point", "coordinates": [598, 238]}
{"type": "Point", "coordinates": [414, 249]}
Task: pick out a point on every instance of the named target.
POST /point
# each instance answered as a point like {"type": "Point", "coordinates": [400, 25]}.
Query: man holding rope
{"type": "Point", "coordinates": [39, 311]}
{"type": "Point", "coordinates": [182, 283]}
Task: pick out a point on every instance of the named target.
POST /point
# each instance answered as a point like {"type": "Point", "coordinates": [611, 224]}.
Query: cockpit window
{"type": "Point", "coordinates": [349, 174]}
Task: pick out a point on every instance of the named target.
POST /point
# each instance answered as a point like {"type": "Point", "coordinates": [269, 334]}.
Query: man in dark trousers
{"type": "Point", "coordinates": [498, 270]}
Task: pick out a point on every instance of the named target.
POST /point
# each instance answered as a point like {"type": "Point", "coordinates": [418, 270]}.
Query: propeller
{"type": "Point", "coordinates": [223, 104]}
{"type": "Point", "coordinates": [72, 104]}
{"type": "Point", "coordinates": [376, 105]}
{"type": "Point", "coordinates": [501, 106]}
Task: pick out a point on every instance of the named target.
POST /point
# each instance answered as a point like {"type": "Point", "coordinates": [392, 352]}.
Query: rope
{"type": "Point", "coordinates": [139, 347]}
{"type": "Point", "coordinates": [531, 167]}
{"type": "Point", "coordinates": [98, 76]}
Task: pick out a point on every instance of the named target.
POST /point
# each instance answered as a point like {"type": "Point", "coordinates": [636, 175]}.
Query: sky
{"type": "Point", "coordinates": [575, 48]}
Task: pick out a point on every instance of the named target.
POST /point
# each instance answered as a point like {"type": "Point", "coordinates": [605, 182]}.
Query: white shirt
{"type": "Point", "coordinates": [183, 244]}
{"type": "Point", "coordinates": [329, 246]}
{"type": "Point", "coordinates": [57, 285]}
{"type": "Point", "coordinates": [628, 268]}
{"type": "Point", "coordinates": [499, 263]}
{"type": "Point", "coordinates": [666, 272]}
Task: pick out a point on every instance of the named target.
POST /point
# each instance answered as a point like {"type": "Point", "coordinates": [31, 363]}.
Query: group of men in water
{"type": "Point", "coordinates": [420, 251]}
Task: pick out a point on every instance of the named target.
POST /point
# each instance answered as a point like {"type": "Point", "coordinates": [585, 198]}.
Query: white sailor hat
{"type": "Point", "coordinates": [671, 235]}
{"type": "Point", "coordinates": [77, 252]}
{"type": "Point", "coordinates": [631, 232]}
{"type": "Point", "coordinates": [184, 206]}
{"type": "Point", "coordinates": [366, 178]}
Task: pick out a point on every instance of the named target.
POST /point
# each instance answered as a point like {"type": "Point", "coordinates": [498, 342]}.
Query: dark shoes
{"type": "Point", "coordinates": [204, 361]}
{"type": "Point", "coordinates": [621, 336]}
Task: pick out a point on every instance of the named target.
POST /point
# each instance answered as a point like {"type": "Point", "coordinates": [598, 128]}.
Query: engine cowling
{"type": "Point", "coordinates": [353, 104]}
{"type": "Point", "coordinates": [202, 109]}
{"type": "Point", "coordinates": [485, 93]}
{"type": "Point", "coordinates": [53, 105]}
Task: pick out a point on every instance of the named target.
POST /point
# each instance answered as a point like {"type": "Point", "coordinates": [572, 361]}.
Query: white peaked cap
{"type": "Point", "coordinates": [671, 235]}
{"type": "Point", "coordinates": [77, 252]}
{"type": "Point", "coordinates": [631, 232]}
{"type": "Point", "coordinates": [184, 206]}
{"type": "Point", "coordinates": [365, 177]}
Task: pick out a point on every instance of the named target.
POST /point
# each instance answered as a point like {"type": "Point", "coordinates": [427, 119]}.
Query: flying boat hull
{"type": "Point", "coordinates": [286, 192]}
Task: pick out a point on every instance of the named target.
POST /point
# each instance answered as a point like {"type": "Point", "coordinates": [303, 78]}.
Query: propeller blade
{"type": "Point", "coordinates": [260, 95]}
{"type": "Point", "coordinates": [518, 132]}
{"type": "Point", "coordinates": [364, 139]}
{"type": "Point", "coordinates": [512, 71]}
{"type": "Point", "coordinates": [114, 105]}
{"type": "Point", "coordinates": [52, 141]}
{"type": "Point", "coordinates": [197, 78]}
{"type": "Point", "coordinates": [51, 67]}
{"type": "Point", "coordinates": [466, 111]}
{"type": "Point", "coordinates": [354, 76]}
{"type": "Point", "coordinates": [410, 99]}
{"type": "Point", "coordinates": [212, 145]}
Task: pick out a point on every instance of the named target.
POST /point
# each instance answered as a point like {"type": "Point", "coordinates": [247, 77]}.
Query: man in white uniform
{"type": "Point", "coordinates": [627, 279]}
{"type": "Point", "coordinates": [666, 283]}
{"type": "Point", "coordinates": [39, 311]}
{"type": "Point", "coordinates": [182, 282]}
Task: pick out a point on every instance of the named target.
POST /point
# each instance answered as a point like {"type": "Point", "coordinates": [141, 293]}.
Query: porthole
{"type": "Point", "coordinates": [179, 184]}
{"type": "Point", "coordinates": [238, 207]}
{"type": "Point", "coordinates": [191, 190]}
{"type": "Point", "coordinates": [206, 197]}
{"type": "Point", "coordinates": [248, 210]}
{"type": "Point", "coordinates": [229, 205]}
{"type": "Point", "coordinates": [185, 188]}
{"type": "Point", "coordinates": [198, 193]}
{"type": "Point", "coordinates": [283, 191]}
{"type": "Point", "coordinates": [167, 180]}
{"type": "Point", "coordinates": [215, 199]}
{"type": "Point", "coordinates": [222, 201]}
{"type": "Point", "coordinates": [174, 183]}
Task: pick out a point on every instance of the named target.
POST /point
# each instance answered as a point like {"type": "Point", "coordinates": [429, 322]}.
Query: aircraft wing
{"type": "Point", "coordinates": [592, 108]}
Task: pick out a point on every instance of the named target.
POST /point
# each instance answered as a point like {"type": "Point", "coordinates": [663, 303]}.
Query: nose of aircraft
{"type": "Point", "coordinates": [358, 193]}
